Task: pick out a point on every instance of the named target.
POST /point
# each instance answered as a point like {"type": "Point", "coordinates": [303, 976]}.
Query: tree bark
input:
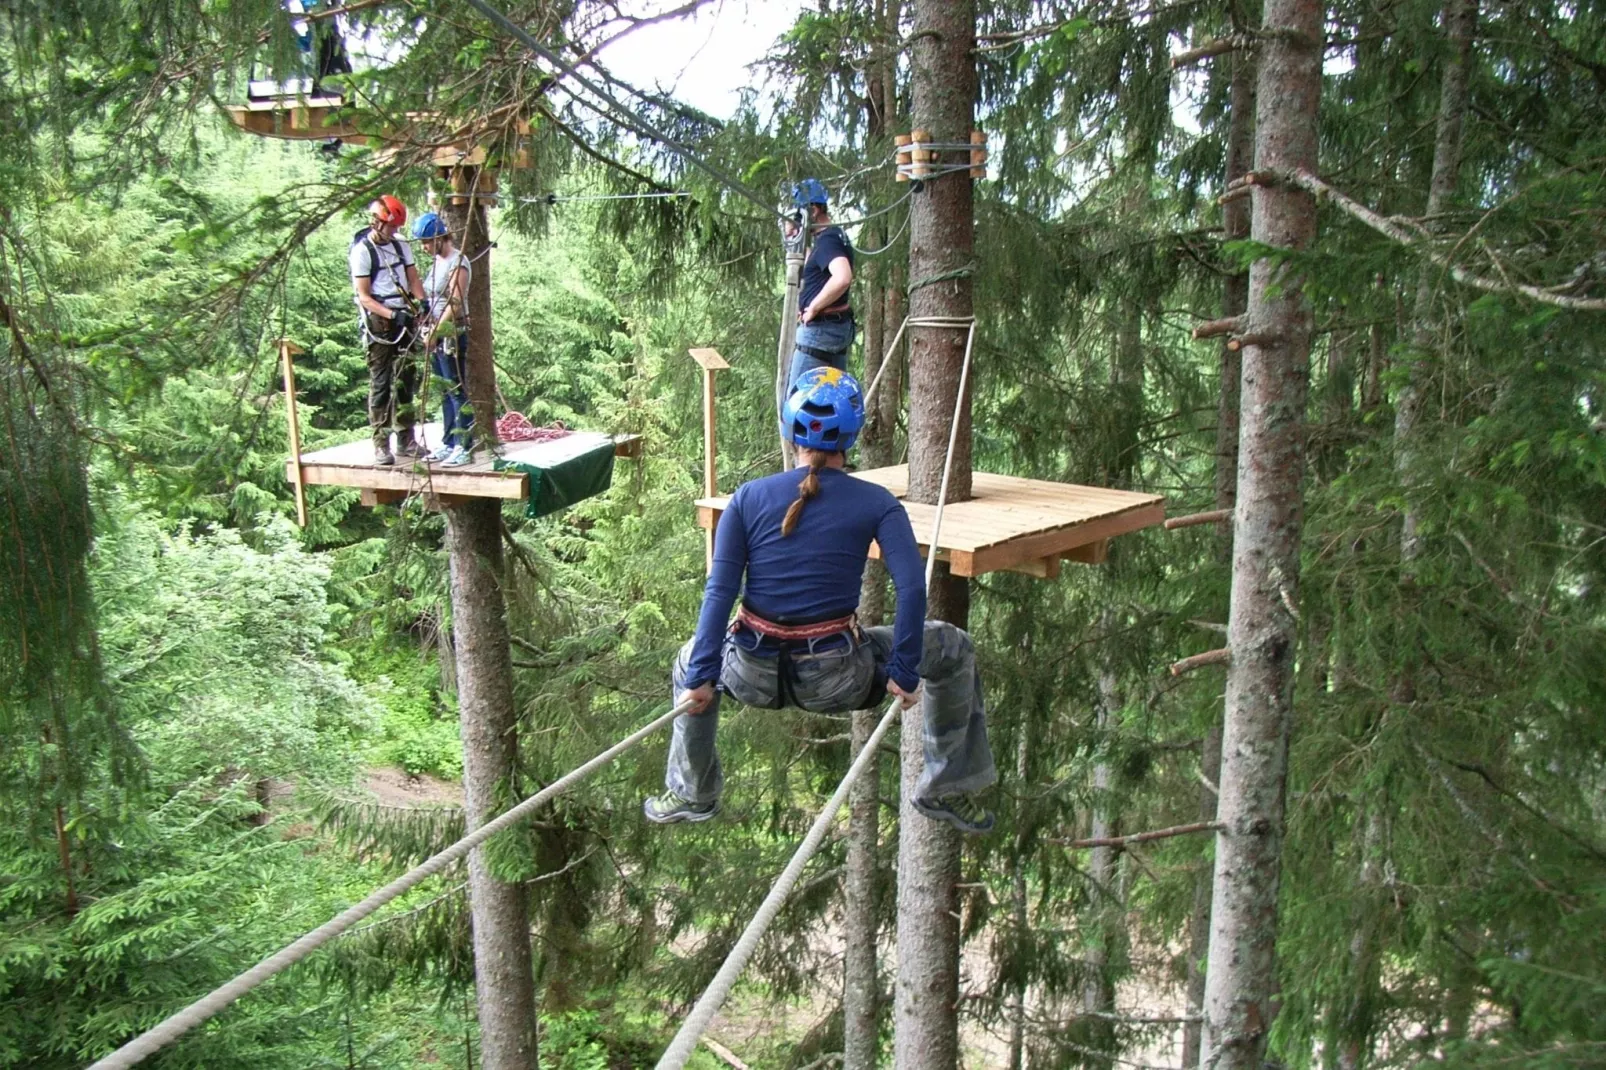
{"type": "Point", "coordinates": [1460, 17]}
{"type": "Point", "coordinates": [941, 235]}
{"type": "Point", "coordinates": [503, 977]}
{"type": "Point", "coordinates": [1234, 302]}
{"type": "Point", "coordinates": [1262, 626]}
{"type": "Point", "coordinates": [1020, 915]}
{"type": "Point", "coordinates": [1107, 931]}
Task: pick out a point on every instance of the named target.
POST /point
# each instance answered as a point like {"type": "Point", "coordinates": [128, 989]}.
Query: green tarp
{"type": "Point", "coordinates": [567, 470]}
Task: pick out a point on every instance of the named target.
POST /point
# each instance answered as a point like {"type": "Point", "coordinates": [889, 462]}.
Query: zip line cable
{"type": "Point", "coordinates": [623, 115]}
{"type": "Point", "coordinates": [560, 198]}
{"type": "Point", "coordinates": [175, 1026]}
{"type": "Point", "coordinates": [681, 1048]}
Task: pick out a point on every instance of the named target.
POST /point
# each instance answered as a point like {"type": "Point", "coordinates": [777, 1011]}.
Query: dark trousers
{"type": "Point", "coordinates": [449, 363]}
{"type": "Point", "coordinates": [392, 379]}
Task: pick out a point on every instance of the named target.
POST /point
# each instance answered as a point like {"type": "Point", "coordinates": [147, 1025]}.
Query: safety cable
{"type": "Point", "coordinates": [175, 1026]}
{"type": "Point", "coordinates": [624, 116]}
{"type": "Point", "coordinates": [560, 198]}
{"type": "Point", "coordinates": [681, 1048]}
{"type": "Point", "coordinates": [890, 241]}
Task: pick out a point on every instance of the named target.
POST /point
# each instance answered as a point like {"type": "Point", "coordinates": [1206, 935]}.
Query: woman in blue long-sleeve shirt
{"type": "Point", "coordinates": [802, 544]}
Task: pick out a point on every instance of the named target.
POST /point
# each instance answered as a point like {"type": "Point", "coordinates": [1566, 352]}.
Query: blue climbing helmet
{"type": "Point", "coordinates": [809, 191]}
{"type": "Point", "coordinates": [430, 225]}
{"type": "Point", "coordinates": [825, 410]}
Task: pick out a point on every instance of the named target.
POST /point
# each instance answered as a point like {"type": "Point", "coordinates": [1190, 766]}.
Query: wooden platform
{"type": "Point", "coordinates": [351, 464]}
{"type": "Point", "coordinates": [1012, 524]}
{"type": "Point", "coordinates": [295, 119]}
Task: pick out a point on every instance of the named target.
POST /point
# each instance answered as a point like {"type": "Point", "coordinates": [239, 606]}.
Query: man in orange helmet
{"type": "Point", "coordinates": [389, 295]}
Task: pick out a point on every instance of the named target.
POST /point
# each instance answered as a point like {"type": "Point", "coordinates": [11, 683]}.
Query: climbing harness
{"type": "Point", "coordinates": [794, 632]}
{"type": "Point", "coordinates": [163, 1034]}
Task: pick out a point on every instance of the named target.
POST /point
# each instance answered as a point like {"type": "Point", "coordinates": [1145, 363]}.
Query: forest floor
{"type": "Point", "coordinates": [756, 1027]}
{"type": "Point", "coordinates": [393, 786]}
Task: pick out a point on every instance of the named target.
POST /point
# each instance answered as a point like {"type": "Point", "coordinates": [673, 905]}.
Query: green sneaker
{"type": "Point", "coordinates": [963, 812]}
{"type": "Point", "coordinates": [669, 809]}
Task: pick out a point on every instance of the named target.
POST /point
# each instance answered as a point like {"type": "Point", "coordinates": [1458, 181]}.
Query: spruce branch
{"type": "Point", "coordinates": [1396, 231]}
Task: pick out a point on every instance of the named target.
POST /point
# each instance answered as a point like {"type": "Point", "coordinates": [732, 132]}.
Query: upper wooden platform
{"type": "Point", "coordinates": [1011, 524]}
{"type": "Point", "coordinates": [351, 464]}
{"type": "Point", "coordinates": [294, 118]}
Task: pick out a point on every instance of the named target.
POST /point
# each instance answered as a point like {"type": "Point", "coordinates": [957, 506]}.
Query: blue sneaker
{"type": "Point", "coordinates": [670, 809]}
{"type": "Point", "coordinates": [963, 812]}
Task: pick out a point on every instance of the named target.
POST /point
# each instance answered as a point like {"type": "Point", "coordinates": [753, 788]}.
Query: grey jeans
{"type": "Point", "coordinates": [838, 680]}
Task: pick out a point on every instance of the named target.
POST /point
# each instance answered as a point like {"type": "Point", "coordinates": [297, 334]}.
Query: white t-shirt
{"type": "Point", "coordinates": [389, 273]}
{"type": "Point", "coordinates": [438, 283]}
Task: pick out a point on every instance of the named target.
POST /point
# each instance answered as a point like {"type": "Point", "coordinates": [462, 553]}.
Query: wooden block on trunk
{"type": "Point", "coordinates": [379, 496]}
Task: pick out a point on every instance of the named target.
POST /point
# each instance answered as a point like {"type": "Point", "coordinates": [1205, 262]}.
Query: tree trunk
{"type": "Point", "coordinates": [1020, 916]}
{"type": "Point", "coordinates": [941, 234]}
{"type": "Point", "coordinates": [503, 978]}
{"type": "Point", "coordinates": [1460, 17]}
{"type": "Point", "coordinates": [1107, 930]}
{"type": "Point", "coordinates": [1262, 626]}
{"type": "Point", "coordinates": [1234, 302]}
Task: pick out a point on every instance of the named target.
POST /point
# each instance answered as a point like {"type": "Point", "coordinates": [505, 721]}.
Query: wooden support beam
{"type": "Point", "coordinates": [1199, 661]}
{"type": "Point", "coordinates": [627, 445]}
{"type": "Point", "coordinates": [1094, 553]}
{"type": "Point", "coordinates": [440, 502]}
{"type": "Point", "coordinates": [372, 496]}
{"type": "Point", "coordinates": [1195, 519]}
{"type": "Point", "coordinates": [287, 352]}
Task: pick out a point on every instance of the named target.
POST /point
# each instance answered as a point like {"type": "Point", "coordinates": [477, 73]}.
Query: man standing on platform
{"type": "Point", "coordinates": [389, 297]}
{"type": "Point", "coordinates": [824, 315]}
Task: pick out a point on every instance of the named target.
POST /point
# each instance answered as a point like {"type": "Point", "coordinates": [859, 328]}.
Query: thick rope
{"type": "Point", "coordinates": [691, 1031]}
{"type": "Point", "coordinates": [680, 1049]}
{"type": "Point", "coordinates": [965, 322]}
{"type": "Point", "coordinates": [177, 1025]}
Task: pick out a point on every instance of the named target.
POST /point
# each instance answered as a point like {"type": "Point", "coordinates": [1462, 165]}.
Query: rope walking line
{"type": "Point", "coordinates": [685, 1043]}
{"type": "Point", "coordinates": [967, 322]}
{"type": "Point", "coordinates": [175, 1026]}
{"type": "Point", "coordinates": [691, 1031]}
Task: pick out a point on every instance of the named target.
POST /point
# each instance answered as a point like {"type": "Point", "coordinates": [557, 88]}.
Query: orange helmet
{"type": "Point", "coordinates": [388, 209]}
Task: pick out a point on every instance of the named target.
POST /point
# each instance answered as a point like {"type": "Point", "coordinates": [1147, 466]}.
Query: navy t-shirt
{"type": "Point", "coordinates": [829, 244]}
{"type": "Point", "coordinates": [812, 574]}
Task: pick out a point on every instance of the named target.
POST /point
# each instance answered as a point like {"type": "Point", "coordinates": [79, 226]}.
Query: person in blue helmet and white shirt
{"type": "Point", "coordinates": [824, 313]}
{"type": "Point", "coordinates": [795, 550]}
{"type": "Point", "coordinates": [446, 311]}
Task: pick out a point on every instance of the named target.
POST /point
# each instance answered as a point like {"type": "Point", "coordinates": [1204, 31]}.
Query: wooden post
{"type": "Point", "coordinates": [710, 361]}
{"type": "Point", "coordinates": [287, 352]}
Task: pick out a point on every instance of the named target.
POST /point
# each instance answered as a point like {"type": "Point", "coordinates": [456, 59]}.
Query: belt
{"type": "Point", "coordinates": [822, 354]}
{"type": "Point", "coordinates": [795, 632]}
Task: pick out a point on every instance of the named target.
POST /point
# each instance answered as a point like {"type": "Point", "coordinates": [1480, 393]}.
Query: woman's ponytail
{"type": "Point", "coordinates": [805, 490]}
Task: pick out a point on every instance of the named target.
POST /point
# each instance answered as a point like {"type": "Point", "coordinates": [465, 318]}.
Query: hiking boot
{"type": "Point", "coordinates": [963, 812]}
{"type": "Point", "coordinates": [383, 458]}
{"type": "Point", "coordinates": [408, 449]}
{"type": "Point", "coordinates": [669, 808]}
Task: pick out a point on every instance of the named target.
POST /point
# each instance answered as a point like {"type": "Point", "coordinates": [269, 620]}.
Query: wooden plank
{"type": "Point", "coordinates": [1046, 568]}
{"type": "Point", "coordinates": [1094, 553]}
{"type": "Point", "coordinates": [470, 484]}
{"type": "Point", "coordinates": [627, 445]}
{"type": "Point", "coordinates": [372, 496]}
{"type": "Point", "coordinates": [1059, 540]}
{"type": "Point", "coordinates": [709, 359]}
{"type": "Point", "coordinates": [287, 353]}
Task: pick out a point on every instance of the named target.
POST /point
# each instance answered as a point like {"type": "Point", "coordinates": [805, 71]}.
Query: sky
{"type": "Point", "coordinates": [701, 60]}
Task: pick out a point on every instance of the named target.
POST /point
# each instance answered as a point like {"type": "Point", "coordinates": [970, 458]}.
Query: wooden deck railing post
{"type": "Point", "coordinates": [710, 361]}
